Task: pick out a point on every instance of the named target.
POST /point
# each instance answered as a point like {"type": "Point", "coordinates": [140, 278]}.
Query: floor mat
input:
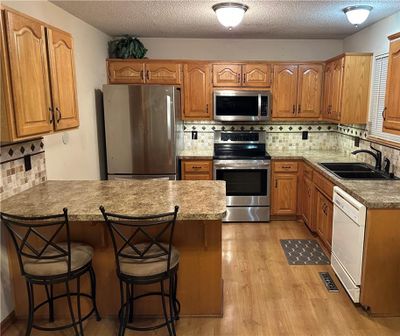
{"type": "Point", "coordinates": [304, 252]}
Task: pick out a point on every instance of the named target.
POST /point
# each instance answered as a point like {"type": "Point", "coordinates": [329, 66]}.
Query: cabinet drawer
{"type": "Point", "coordinates": [308, 172]}
{"type": "Point", "coordinates": [196, 166]}
{"type": "Point", "coordinates": [285, 166]}
{"type": "Point", "coordinates": [323, 184]}
{"type": "Point", "coordinates": [194, 176]}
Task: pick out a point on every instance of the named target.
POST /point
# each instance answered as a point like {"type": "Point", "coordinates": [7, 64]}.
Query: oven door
{"type": "Point", "coordinates": [230, 105]}
{"type": "Point", "coordinates": [247, 181]}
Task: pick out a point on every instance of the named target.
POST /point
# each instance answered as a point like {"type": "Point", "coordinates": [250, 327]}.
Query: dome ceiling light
{"type": "Point", "coordinates": [357, 14]}
{"type": "Point", "coordinates": [230, 14]}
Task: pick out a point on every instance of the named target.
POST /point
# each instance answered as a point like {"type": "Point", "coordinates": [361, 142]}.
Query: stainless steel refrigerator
{"type": "Point", "coordinates": [143, 131]}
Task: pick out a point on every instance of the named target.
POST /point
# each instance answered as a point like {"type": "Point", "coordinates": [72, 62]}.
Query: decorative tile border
{"type": "Point", "coordinates": [353, 130]}
{"type": "Point", "coordinates": [19, 150]}
{"type": "Point", "coordinates": [272, 127]}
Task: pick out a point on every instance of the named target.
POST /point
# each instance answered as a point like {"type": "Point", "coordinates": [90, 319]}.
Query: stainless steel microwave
{"type": "Point", "coordinates": [235, 105]}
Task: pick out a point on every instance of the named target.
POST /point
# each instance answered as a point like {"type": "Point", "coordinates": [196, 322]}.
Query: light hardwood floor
{"type": "Point", "coordinates": [263, 295]}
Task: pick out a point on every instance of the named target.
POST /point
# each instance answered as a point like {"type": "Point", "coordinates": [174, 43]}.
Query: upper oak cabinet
{"type": "Point", "coordinates": [38, 78]}
{"type": "Point", "coordinates": [257, 75]}
{"type": "Point", "coordinates": [62, 74]}
{"type": "Point", "coordinates": [391, 114]}
{"type": "Point", "coordinates": [141, 72]}
{"type": "Point", "coordinates": [346, 89]}
{"type": "Point", "coordinates": [197, 91]}
{"type": "Point", "coordinates": [297, 91]}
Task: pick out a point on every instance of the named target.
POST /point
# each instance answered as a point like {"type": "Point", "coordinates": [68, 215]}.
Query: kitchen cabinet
{"type": "Point", "coordinates": [129, 71]}
{"type": "Point", "coordinates": [197, 91]}
{"type": "Point", "coordinates": [297, 91]}
{"type": "Point", "coordinates": [323, 219]}
{"type": "Point", "coordinates": [284, 188]}
{"type": "Point", "coordinates": [62, 74]}
{"type": "Point", "coordinates": [257, 75]}
{"type": "Point", "coordinates": [196, 169]}
{"type": "Point", "coordinates": [38, 77]}
{"type": "Point", "coordinates": [346, 88]}
{"type": "Point", "coordinates": [391, 113]}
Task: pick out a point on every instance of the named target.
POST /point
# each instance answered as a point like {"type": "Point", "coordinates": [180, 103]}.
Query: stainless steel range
{"type": "Point", "coordinates": [241, 160]}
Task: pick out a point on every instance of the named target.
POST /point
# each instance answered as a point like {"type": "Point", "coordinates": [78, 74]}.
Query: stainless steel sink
{"type": "Point", "coordinates": [356, 171]}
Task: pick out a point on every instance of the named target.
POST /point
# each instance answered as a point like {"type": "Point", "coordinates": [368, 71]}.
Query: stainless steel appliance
{"type": "Point", "coordinates": [240, 159]}
{"type": "Point", "coordinates": [236, 105]}
{"type": "Point", "coordinates": [143, 131]}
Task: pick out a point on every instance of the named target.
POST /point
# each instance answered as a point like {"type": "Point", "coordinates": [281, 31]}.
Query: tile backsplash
{"type": "Point", "coordinates": [288, 136]}
{"type": "Point", "coordinates": [278, 135]}
{"type": "Point", "coordinates": [14, 177]}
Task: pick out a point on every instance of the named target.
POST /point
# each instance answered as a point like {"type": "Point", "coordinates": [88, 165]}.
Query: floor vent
{"type": "Point", "coordinates": [328, 281]}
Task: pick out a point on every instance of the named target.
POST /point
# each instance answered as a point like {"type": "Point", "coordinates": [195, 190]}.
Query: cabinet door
{"type": "Point", "coordinates": [284, 194]}
{"type": "Point", "coordinates": [29, 75]}
{"type": "Point", "coordinates": [256, 75]}
{"type": "Point", "coordinates": [324, 215]}
{"type": "Point", "coordinates": [391, 121]}
{"type": "Point", "coordinates": [197, 91]}
{"type": "Point", "coordinates": [308, 190]}
{"type": "Point", "coordinates": [163, 73]}
{"type": "Point", "coordinates": [285, 91]}
{"type": "Point", "coordinates": [229, 75]}
{"type": "Point", "coordinates": [125, 72]}
{"type": "Point", "coordinates": [63, 85]}
{"type": "Point", "coordinates": [336, 92]}
{"type": "Point", "coordinates": [327, 99]}
{"type": "Point", "coordinates": [309, 91]}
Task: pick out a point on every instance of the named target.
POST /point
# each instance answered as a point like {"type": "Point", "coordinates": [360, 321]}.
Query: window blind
{"type": "Point", "coordinates": [378, 99]}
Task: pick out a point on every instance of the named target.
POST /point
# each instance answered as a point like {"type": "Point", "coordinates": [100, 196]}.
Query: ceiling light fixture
{"type": "Point", "coordinates": [357, 14]}
{"type": "Point", "coordinates": [230, 14]}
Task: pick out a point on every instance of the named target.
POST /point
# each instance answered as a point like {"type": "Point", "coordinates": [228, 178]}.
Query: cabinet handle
{"type": "Point", "coordinates": [244, 78]}
{"type": "Point", "coordinates": [148, 74]}
{"type": "Point", "coordinates": [330, 109]}
{"type": "Point", "coordinates": [141, 74]}
{"type": "Point", "coordinates": [207, 108]}
{"type": "Point", "coordinates": [294, 108]}
{"type": "Point", "coordinates": [286, 167]}
{"type": "Point", "coordinates": [51, 115]}
{"type": "Point", "coordinates": [299, 111]}
{"type": "Point", "coordinates": [196, 167]}
{"type": "Point", "coordinates": [276, 183]}
{"type": "Point", "coordinates": [238, 78]}
{"type": "Point", "coordinates": [384, 113]}
{"type": "Point", "coordinates": [59, 114]}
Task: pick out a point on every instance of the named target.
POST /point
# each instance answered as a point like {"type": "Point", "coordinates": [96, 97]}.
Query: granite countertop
{"type": "Point", "coordinates": [193, 154]}
{"type": "Point", "coordinates": [197, 200]}
{"type": "Point", "coordinates": [374, 194]}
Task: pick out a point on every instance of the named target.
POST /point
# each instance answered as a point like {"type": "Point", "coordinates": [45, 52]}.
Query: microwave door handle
{"type": "Point", "coordinates": [259, 105]}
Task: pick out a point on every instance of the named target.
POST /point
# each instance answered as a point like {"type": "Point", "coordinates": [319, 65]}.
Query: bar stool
{"type": "Point", "coordinates": [45, 262]}
{"type": "Point", "coordinates": [142, 259]}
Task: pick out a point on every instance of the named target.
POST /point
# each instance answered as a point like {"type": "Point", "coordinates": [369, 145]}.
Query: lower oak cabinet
{"type": "Point", "coordinates": [196, 169]}
{"type": "Point", "coordinates": [323, 219]}
{"type": "Point", "coordinates": [284, 188]}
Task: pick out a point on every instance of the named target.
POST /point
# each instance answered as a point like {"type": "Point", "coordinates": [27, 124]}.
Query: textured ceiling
{"type": "Point", "coordinates": [196, 19]}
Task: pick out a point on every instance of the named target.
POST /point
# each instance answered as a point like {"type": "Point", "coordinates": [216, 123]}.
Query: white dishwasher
{"type": "Point", "coordinates": [348, 241]}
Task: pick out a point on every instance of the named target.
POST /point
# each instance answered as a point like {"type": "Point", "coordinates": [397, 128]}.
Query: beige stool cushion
{"type": "Point", "coordinates": [81, 254]}
{"type": "Point", "coordinates": [147, 267]}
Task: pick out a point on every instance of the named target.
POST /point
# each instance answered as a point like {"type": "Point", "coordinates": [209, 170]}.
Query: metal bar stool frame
{"type": "Point", "coordinates": [127, 282]}
{"type": "Point", "coordinates": [33, 226]}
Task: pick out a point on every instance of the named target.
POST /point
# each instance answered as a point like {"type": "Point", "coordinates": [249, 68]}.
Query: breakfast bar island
{"type": "Point", "coordinates": [197, 236]}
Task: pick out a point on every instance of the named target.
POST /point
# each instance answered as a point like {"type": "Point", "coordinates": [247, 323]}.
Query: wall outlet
{"type": "Point", "coordinates": [194, 135]}
{"type": "Point", "coordinates": [304, 135]}
{"type": "Point", "coordinates": [357, 141]}
{"type": "Point", "coordinates": [27, 162]}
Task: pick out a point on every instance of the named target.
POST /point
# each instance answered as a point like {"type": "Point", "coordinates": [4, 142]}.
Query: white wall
{"type": "Point", "coordinates": [373, 38]}
{"type": "Point", "coordinates": [242, 49]}
{"type": "Point", "coordinates": [79, 158]}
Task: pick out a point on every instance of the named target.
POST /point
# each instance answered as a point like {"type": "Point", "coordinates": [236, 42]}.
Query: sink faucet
{"type": "Point", "coordinates": [377, 156]}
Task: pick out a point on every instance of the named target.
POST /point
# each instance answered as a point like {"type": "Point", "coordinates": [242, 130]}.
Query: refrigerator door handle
{"type": "Point", "coordinates": [169, 122]}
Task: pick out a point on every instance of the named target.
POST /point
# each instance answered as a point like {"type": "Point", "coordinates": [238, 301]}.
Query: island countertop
{"type": "Point", "coordinates": [197, 200]}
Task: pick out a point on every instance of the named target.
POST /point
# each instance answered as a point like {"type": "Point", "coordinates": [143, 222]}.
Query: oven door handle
{"type": "Point", "coordinates": [232, 167]}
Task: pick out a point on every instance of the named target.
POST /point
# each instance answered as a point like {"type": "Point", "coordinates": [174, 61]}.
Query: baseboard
{"type": "Point", "coordinates": [7, 322]}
